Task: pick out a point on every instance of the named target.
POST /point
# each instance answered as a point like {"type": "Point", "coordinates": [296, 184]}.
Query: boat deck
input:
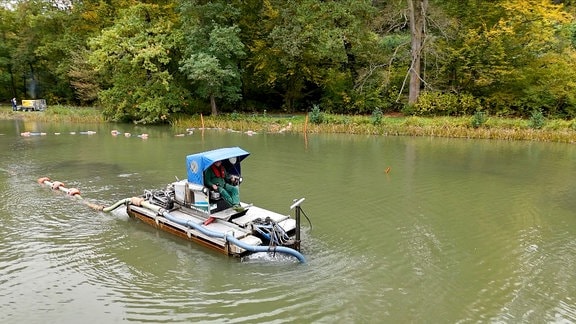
{"type": "Point", "coordinates": [219, 225]}
{"type": "Point", "coordinates": [254, 213]}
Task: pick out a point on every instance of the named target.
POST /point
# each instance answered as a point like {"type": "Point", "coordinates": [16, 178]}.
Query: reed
{"type": "Point", "coordinates": [555, 130]}
{"type": "Point", "coordinates": [454, 127]}
{"type": "Point", "coordinates": [244, 123]}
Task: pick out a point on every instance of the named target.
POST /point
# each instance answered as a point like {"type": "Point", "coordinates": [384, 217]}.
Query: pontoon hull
{"type": "Point", "coordinates": [240, 228]}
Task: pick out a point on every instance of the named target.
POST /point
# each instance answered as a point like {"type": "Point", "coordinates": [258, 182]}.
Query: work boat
{"type": "Point", "coordinates": [189, 209]}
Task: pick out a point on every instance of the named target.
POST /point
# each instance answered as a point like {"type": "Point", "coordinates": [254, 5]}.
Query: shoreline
{"type": "Point", "coordinates": [499, 128]}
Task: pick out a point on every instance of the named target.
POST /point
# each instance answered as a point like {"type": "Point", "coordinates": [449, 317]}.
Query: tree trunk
{"type": "Point", "coordinates": [418, 9]}
{"type": "Point", "coordinates": [213, 105]}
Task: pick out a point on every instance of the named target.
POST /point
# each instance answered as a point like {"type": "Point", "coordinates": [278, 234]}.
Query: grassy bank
{"type": "Point", "coordinates": [457, 127]}
{"type": "Point", "coordinates": [57, 114]}
{"type": "Point", "coordinates": [555, 130]}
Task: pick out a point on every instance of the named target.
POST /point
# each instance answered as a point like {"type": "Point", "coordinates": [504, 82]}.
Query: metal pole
{"type": "Point", "coordinates": [297, 215]}
{"type": "Point", "coordinates": [297, 245]}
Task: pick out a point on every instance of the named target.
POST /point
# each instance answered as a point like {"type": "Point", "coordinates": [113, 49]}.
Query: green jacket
{"type": "Point", "coordinates": [210, 178]}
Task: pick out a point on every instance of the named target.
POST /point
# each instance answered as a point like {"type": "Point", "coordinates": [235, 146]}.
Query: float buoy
{"type": "Point", "coordinates": [73, 192]}
{"type": "Point", "coordinates": [43, 179]}
{"type": "Point", "coordinates": [56, 185]}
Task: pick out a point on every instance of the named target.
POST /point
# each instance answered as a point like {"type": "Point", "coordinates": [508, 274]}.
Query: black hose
{"type": "Point", "coordinates": [309, 222]}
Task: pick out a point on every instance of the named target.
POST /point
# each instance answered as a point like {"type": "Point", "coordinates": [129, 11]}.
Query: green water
{"type": "Point", "coordinates": [456, 231]}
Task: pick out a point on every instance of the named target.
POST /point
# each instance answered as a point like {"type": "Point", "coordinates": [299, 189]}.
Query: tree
{"type": "Point", "coordinates": [212, 50]}
{"type": "Point", "coordinates": [136, 59]}
{"type": "Point", "coordinates": [83, 77]}
{"type": "Point", "coordinates": [311, 50]}
{"type": "Point", "coordinates": [86, 19]}
{"type": "Point", "coordinates": [8, 42]}
{"type": "Point", "coordinates": [24, 61]}
{"type": "Point", "coordinates": [516, 58]}
{"type": "Point", "coordinates": [418, 10]}
{"type": "Point", "coordinates": [43, 37]}
{"type": "Point", "coordinates": [144, 59]}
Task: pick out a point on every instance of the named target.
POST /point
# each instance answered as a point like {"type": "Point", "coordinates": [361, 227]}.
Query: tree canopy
{"type": "Point", "coordinates": [145, 61]}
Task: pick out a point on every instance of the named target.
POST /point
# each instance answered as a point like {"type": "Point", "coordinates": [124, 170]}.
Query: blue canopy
{"type": "Point", "coordinates": [197, 163]}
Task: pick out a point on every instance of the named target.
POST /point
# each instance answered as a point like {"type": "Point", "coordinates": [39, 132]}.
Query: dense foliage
{"type": "Point", "coordinates": [150, 61]}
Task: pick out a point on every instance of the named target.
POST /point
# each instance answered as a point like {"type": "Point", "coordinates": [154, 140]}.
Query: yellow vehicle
{"type": "Point", "coordinates": [33, 105]}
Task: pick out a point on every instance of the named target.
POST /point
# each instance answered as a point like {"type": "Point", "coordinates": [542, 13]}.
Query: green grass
{"type": "Point", "coordinates": [553, 130]}
{"type": "Point", "coordinates": [455, 127]}
{"type": "Point", "coordinates": [56, 114]}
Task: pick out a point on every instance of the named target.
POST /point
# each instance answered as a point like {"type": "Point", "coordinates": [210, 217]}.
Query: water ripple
{"type": "Point", "coordinates": [454, 233]}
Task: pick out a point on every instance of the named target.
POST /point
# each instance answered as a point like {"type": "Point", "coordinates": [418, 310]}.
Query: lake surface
{"type": "Point", "coordinates": [457, 231]}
